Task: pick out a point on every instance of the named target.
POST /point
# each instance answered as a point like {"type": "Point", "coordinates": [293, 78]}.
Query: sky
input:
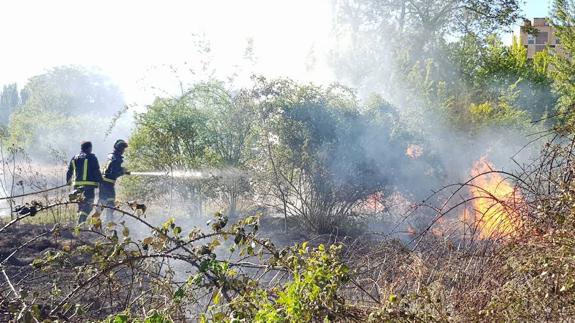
{"type": "Point", "coordinates": [531, 9]}
{"type": "Point", "coordinates": [536, 8]}
{"type": "Point", "coordinates": [135, 42]}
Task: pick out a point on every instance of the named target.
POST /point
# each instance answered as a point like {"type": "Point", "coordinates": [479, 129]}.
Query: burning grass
{"type": "Point", "coordinates": [515, 264]}
{"type": "Point", "coordinates": [495, 202]}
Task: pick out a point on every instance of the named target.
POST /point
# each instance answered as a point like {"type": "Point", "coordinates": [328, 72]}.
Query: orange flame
{"type": "Point", "coordinates": [411, 230]}
{"type": "Point", "coordinates": [494, 202]}
{"type": "Point", "coordinates": [373, 203]}
{"type": "Point", "coordinates": [414, 151]}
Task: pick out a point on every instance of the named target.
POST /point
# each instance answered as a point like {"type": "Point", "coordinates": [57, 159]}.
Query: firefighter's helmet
{"type": "Point", "coordinates": [86, 146]}
{"type": "Point", "coordinates": [120, 144]}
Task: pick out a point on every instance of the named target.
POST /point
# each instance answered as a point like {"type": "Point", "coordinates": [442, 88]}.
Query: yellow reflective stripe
{"type": "Point", "coordinates": [109, 180]}
{"type": "Point", "coordinates": [85, 177]}
{"type": "Point", "coordinates": [74, 168]}
{"type": "Point", "coordinates": [81, 183]}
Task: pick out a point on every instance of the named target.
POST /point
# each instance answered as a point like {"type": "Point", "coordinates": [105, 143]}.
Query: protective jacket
{"type": "Point", "coordinates": [84, 170]}
{"type": "Point", "coordinates": [113, 168]}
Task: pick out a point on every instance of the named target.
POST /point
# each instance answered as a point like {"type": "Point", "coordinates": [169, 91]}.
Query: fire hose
{"type": "Point", "coordinates": [33, 193]}
{"type": "Point", "coordinates": [44, 191]}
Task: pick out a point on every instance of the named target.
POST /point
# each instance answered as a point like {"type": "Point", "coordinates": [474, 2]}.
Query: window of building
{"type": "Point", "coordinates": [530, 39]}
{"type": "Point", "coordinates": [539, 48]}
{"type": "Point", "coordinates": [542, 38]}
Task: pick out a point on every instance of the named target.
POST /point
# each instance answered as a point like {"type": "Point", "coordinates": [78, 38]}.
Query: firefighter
{"type": "Point", "coordinates": [112, 172]}
{"type": "Point", "coordinates": [84, 175]}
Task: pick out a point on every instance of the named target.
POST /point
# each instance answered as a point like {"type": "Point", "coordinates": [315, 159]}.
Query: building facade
{"type": "Point", "coordinates": [536, 35]}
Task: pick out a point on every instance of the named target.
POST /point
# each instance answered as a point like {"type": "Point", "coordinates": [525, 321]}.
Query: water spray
{"type": "Point", "coordinates": [176, 174]}
{"type": "Point", "coordinates": [197, 174]}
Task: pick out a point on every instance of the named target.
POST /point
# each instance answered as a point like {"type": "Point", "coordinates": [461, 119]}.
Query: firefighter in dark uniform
{"type": "Point", "coordinates": [112, 172]}
{"type": "Point", "coordinates": [84, 175]}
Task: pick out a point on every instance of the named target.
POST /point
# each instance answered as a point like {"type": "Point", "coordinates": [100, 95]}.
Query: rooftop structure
{"type": "Point", "coordinates": [536, 35]}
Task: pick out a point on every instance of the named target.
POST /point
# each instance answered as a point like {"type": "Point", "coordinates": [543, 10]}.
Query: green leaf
{"type": "Point", "coordinates": [214, 244]}
{"type": "Point", "coordinates": [121, 318]}
{"type": "Point", "coordinates": [219, 317]}
{"type": "Point", "coordinates": [179, 295]}
{"type": "Point", "coordinates": [216, 298]}
{"type": "Point", "coordinates": [155, 318]}
{"type": "Point", "coordinates": [126, 232]}
{"type": "Point", "coordinates": [36, 311]}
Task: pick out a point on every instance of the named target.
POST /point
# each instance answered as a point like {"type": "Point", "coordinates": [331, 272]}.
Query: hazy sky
{"type": "Point", "coordinates": [131, 40]}
{"type": "Point", "coordinates": [134, 41]}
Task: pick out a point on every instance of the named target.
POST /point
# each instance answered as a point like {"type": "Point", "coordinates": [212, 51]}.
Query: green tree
{"type": "Point", "coordinates": [171, 135]}
{"type": "Point", "coordinates": [442, 58]}
{"type": "Point", "coordinates": [62, 107]}
{"type": "Point", "coordinates": [563, 71]}
{"type": "Point", "coordinates": [382, 40]}
{"type": "Point", "coordinates": [301, 148]}
{"type": "Point", "coordinates": [208, 129]}
{"type": "Point", "coordinates": [495, 84]}
{"type": "Point", "coordinates": [314, 147]}
{"type": "Point", "coordinates": [433, 17]}
{"type": "Point", "coordinates": [481, 83]}
{"type": "Point", "coordinates": [9, 101]}
{"type": "Point", "coordinates": [501, 67]}
{"type": "Point", "coordinates": [231, 127]}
